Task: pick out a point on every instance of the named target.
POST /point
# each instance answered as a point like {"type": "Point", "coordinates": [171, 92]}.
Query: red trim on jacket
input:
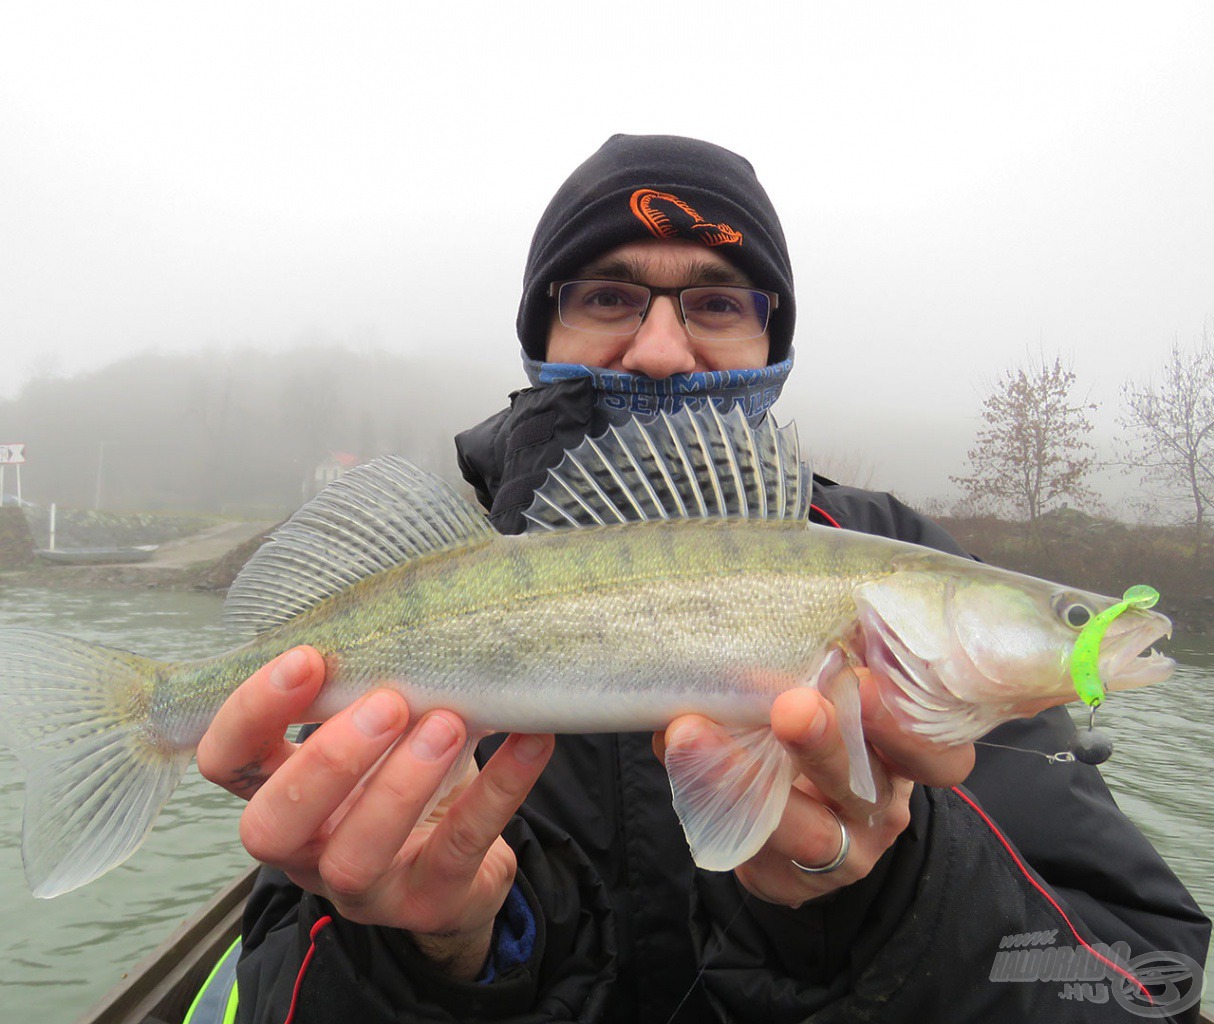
{"type": "Point", "coordinates": [303, 968]}
{"type": "Point", "coordinates": [1050, 899]}
{"type": "Point", "coordinates": [825, 515]}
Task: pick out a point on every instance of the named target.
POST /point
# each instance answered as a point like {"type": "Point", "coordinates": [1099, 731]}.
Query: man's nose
{"type": "Point", "coordinates": [661, 346]}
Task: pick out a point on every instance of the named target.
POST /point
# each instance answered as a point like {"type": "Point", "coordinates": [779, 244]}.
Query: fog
{"type": "Point", "coordinates": [962, 187]}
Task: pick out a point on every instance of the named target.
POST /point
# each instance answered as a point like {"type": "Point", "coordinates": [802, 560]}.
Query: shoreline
{"type": "Point", "coordinates": [207, 560]}
{"type": "Point", "coordinates": [118, 577]}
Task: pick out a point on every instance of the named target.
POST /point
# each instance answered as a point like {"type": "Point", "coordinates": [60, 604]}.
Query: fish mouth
{"type": "Point", "coordinates": [1129, 659]}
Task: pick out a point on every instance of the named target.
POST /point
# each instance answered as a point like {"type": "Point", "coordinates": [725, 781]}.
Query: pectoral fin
{"type": "Point", "coordinates": [840, 685]}
{"type": "Point", "coordinates": [729, 795]}
{"type": "Point", "coordinates": [455, 776]}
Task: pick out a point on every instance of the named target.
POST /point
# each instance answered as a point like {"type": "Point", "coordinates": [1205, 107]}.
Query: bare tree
{"type": "Point", "coordinates": [1173, 427]}
{"type": "Point", "coordinates": [1032, 451]}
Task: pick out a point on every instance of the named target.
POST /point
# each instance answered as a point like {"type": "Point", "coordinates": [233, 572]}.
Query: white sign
{"type": "Point", "coordinates": [12, 454]}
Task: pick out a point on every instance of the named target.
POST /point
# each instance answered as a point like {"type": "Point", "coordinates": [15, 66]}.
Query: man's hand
{"type": "Point", "coordinates": [808, 833]}
{"type": "Point", "coordinates": [344, 824]}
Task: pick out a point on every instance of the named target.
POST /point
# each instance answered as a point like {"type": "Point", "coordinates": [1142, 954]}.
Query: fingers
{"type": "Point", "coordinates": [341, 813]}
{"type": "Point", "coordinates": [912, 756]}
{"type": "Point", "coordinates": [245, 743]}
{"type": "Point", "coordinates": [289, 810]}
{"type": "Point", "coordinates": [808, 726]}
{"type": "Point", "coordinates": [810, 834]}
{"type": "Point", "coordinates": [821, 806]}
{"type": "Point", "coordinates": [365, 845]}
{"type": "Point", "coordinates": [476, 820]}
{"type": "Point", "coordinates": [806, 723]}
{"type": "Point", "coordinates": [358, 839]}
{"type": "Point", "coordinates": [446, 881]}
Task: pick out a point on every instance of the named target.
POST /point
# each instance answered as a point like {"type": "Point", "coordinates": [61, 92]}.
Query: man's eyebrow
{"type": "Point", "coordinates": [636, 271]}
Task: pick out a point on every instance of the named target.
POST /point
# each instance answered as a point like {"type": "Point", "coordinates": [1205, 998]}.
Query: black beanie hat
{"type": "Point", "coordinates": [638, 187]}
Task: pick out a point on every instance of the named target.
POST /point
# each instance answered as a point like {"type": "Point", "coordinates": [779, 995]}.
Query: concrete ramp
{"type": "Point", "coordinates": [205, 546]}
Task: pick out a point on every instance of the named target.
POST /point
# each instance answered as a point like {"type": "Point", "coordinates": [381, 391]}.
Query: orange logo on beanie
{"type": "Point", "coordinates": [668, 216]}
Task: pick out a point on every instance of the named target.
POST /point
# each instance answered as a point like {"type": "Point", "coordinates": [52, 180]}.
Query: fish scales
{"type": "Point", "coordinates": [544, 632]}
{"type": "Point", "coordinates": [670, 617]}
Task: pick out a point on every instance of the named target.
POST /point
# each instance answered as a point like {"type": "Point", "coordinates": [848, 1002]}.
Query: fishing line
{"type": "Point", "coordinates": [1091, 746]}
{"type": "Point", "coordinates": [1062, 757]}
{"type": "Point", "coordinates": [704, 959]}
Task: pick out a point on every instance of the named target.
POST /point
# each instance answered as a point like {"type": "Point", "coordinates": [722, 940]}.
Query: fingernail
{"type": "Point", "coordinates": [684, 734]}
{"type": "Point", "coordinates": [288, 672]}
{"type": "Point", "coordinates": [377, 714]}
{"type": "Point", "coordinates": [433, 738]}
{"type": "Point", "coordinates": [529, 749]}
{"type": "Point", "coordinates": [874, 710]}
{"type": "Point", "coordinates": [816, 728]}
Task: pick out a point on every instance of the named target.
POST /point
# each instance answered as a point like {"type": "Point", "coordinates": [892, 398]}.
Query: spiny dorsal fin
{"type": "Point", "coordinates": [694, 464]}
{"type": "Point", "coordinates": [373, 518]}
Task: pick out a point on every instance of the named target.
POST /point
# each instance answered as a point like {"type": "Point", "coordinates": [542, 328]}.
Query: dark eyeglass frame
{"type": "Point", "coordinates": [554, 291]}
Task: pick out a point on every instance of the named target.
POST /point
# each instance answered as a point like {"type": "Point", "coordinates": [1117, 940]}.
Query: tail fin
{"type": "Point", "coordinates": [78, 717]}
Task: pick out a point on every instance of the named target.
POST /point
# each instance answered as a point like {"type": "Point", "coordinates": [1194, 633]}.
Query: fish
{"type": "Point", "coordinates": [668, 567]}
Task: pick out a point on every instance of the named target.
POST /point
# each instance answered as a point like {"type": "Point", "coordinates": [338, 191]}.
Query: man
{"type": "Point", "coordinates": [555, 883]}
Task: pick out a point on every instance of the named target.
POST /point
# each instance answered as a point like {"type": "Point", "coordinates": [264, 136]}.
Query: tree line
{"type": "Point", "coordinates": [1032, 453]}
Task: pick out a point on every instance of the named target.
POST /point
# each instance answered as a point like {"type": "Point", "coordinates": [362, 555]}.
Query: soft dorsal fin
{"type": "Point", "coordinates": [373, 518]}
{"type": "Point", "coordinates": [694, 464]}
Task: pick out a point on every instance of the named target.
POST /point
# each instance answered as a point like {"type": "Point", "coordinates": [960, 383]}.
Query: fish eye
{"type": "Point", "coordinates": [1074, 612]}
{"type": "Point", "coordinates": [1078, 615]}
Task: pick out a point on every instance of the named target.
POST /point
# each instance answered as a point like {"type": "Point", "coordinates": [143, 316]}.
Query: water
{"type": "Point", "coordinates": [1161, 772]}
{"type": "Point", "coordinates": [57, 957]}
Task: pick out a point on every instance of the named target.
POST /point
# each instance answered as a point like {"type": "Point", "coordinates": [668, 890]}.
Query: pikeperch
{"type": "Point", "coordinates": [668, 568]}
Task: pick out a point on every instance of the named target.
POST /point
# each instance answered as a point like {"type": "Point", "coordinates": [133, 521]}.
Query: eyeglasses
{"type": "Point", "coordinates": [709, 312]}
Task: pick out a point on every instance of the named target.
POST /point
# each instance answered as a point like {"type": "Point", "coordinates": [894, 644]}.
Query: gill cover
{"type": "Point", "coordinates": [965, 651]}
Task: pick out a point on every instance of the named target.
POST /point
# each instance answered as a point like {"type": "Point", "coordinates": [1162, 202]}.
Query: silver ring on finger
{"type": "Point", "coordinates": [840, 857]}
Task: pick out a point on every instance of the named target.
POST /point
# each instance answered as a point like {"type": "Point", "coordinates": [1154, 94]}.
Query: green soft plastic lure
{"type": "Point", "coordinates": [1085, 671]}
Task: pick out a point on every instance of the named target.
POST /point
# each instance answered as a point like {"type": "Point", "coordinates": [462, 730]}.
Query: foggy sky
{"type": "Point", "coordinates": [962, 185]}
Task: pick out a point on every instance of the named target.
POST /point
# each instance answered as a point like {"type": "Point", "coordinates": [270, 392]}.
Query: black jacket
{"type": "Point", "coordinates": [630, 931]}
